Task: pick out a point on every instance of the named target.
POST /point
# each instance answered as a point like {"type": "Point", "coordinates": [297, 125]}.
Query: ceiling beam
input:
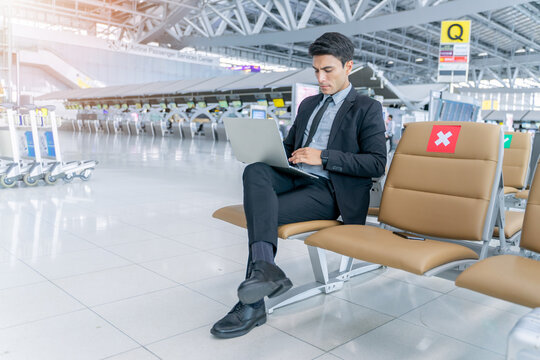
{"type": "Point", "coordinates": [490, 23]}
{"type": "Point", "coordinates": [533, 59]}
{"type": "Point", "coordinates": [174, 17]}
{"type": "Point", "coordinates": [453, 9]}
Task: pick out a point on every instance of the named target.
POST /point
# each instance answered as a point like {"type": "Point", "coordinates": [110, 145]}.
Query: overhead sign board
{"type": "Point", "coordinates": [454, 51]}
{"type": "Point", "coordinates": [458, 32]}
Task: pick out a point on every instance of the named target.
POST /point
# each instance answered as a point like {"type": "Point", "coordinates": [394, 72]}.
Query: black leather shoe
{"type": "Point", "coordinates": [266, 280]}
{"type": "Point", "coordinates": [240, 320]}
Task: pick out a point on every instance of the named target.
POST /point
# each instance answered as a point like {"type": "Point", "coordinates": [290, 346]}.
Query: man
{"type": "Point", "coordinates": [338, 135]}
{"type": "Point", "coordinates": [389, 134]}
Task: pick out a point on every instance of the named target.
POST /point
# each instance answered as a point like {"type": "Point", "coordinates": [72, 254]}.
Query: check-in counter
{"type": "Point", "coordinates": [188, 129]}
{"type": "Point", "coordinates": [219, 130]}
{"type": "Point", "coordinates": [177, 129]}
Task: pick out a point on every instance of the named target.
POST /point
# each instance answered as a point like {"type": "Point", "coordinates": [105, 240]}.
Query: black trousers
{"type": "Point", "coordinates": [273, 198]}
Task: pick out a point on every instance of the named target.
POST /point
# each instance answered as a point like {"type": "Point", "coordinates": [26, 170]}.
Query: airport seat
{"type": "Point", "coordinates": [373, 211]}
{"type": "Point", "coordinates": [436, 206]}
{"type": "Point", "coordinates": [510, 190]}
{"type": "Point", "coordinates": [234, 214]}
{"type": "Point", "coordinates": [512, 278]}
{"type": "Point", "coordinates": [513, 222]}
{"type": "Point", "coordinates": [512, 225]}
{"type": "Point", "coordinates": [325, 282]}
{"type": "Point", "coordinates": [516, 165]}
{"type": "Point", "coordinates": [523, 194]}
{"type": "Point", "coordinates": [375, 194]}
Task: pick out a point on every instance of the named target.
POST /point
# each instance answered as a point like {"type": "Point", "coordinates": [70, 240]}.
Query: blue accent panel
{"type": "Point", "coordinates": [51, 150]}
{"type": "Point", "coordinates": [30, 144]}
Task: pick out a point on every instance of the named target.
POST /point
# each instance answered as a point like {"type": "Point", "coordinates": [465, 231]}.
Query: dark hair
{"type": "Point", "coordinates": [390, 116]}
{"type": "Point", "coordinates": [333, 43]}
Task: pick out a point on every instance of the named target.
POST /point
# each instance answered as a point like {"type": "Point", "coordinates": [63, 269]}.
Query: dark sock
{"type": "Point", "coordinates": [261, 250]}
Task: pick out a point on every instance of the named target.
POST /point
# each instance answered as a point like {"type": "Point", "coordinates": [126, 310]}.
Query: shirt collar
{"type": "Point", "coordinates": [340, 95]}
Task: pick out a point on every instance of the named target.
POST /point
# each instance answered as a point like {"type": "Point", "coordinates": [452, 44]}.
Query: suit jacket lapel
{"type": "Point", "coordinates": [347, 103]}
{"type": "Point", "coordinates": [303, 120]}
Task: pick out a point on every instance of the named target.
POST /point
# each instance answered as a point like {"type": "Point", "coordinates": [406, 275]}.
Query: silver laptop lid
{"type": "Point", "coordinates": [256, 140]}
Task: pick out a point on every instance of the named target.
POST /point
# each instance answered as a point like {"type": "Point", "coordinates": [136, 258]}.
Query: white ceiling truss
{"type": "Point", "coordinates": [400, 36]}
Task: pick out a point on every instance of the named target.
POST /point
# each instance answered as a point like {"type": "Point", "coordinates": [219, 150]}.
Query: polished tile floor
{"type": "Point", "coordinates": [130, 265]}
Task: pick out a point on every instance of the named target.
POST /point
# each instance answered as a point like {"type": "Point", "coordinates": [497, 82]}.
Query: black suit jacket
{"type": "Point", "coordinates": [356, 150]}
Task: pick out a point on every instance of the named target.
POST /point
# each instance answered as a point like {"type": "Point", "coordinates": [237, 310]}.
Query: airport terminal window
{"type": "Point", "coordinates": [510, 101]}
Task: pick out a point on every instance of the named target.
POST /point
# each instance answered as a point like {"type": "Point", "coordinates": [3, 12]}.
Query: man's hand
{"type": "Point", "coordinates": [306, 155]}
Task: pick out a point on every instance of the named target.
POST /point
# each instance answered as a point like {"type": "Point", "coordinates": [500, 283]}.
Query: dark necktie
{"type": "Point", "coordinates": [317, 120]}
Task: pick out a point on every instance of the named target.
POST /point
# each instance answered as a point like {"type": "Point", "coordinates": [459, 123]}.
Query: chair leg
{"type": "Point", "coordinates": [323, 283]}
{"type": "Point", "coordinates": [318, 264]}
{"type": "Point", "coordinates": [347, 269]}
{"type": "Point", "coordinates": [501, 223]}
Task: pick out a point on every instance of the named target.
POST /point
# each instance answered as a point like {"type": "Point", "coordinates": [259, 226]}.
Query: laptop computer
{"type": "Point", "coordinates": [259, 140]}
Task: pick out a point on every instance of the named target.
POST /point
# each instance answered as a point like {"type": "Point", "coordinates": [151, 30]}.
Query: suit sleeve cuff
{"type": "Point", "coordinates": [324, 158]}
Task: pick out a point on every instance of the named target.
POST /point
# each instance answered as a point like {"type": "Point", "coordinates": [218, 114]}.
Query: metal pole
{"type": "Point", "coordinates": [18, 74]}
{"type": "Point", "coordinates": [7, 19]}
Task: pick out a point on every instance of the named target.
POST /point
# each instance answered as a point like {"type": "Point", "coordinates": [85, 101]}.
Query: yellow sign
{"type": "Point", "coordinates": [457, 31]}
{"type": "Point", "coordinates": [490, 105]}
{"type": "Point", "coordinates": [278, 103]}
{"type": "Point", "coordinates": [83, 83]}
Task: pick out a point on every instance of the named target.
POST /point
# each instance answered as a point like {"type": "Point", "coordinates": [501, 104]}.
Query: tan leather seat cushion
{"type": "Point", "coordinates": [513, 222]}
{"type": "Point", "coordinates": [508, 277]}
{"type": "Point", "coordinates": [523, 194]}
{"type": "Point", "coordinates": [288, 230]}
{"type": "Point", "coordinates": [373, 211]}
{"type": "Point", "coordinates": [383, 247]}
{"type": "Point", "coordinates": [516, 159]}
{"type": "Point", "coordinates": [510, 190]}
{"type": "Point", "coordinates": [235, 215]}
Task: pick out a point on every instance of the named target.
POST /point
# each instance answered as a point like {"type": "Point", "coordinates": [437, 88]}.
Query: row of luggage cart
{"type": "Point", "coordinates": [30, 149]}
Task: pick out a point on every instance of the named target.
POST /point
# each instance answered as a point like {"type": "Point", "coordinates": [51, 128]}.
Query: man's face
{"type": "Point", "coordinates": [331, 74]}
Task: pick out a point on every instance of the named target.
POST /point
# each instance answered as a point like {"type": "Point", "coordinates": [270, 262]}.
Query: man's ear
{"type": "Point", "coordinates": [348, 66]}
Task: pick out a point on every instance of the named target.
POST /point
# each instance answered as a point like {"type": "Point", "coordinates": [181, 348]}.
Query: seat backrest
{"type": "Point", "coordinates": [535, 155]}
{"type": "Point", "coordinates": [444, 179]}
{"type": "Point", "coordinates": [530, 234]}
{"type": "Point", "coordinates": [516, 158]}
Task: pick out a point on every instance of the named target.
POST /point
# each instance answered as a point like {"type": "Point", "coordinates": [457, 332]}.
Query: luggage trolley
{"type": "Point", "coordinates": [50, 166]}
{"type": "Point", "coordinates": [20, 168]}
{"type": "Point", "coordinates": [12, 166]}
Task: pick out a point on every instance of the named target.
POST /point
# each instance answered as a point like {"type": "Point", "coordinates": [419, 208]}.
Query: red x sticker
{"type": "Point", "coordinates": [443, 138]}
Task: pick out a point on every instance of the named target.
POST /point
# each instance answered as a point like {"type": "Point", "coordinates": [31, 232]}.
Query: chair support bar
{"type": "Point", "coordinates": [325, 282]}
{"type": "Point", "coordinates": [448, 266]}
